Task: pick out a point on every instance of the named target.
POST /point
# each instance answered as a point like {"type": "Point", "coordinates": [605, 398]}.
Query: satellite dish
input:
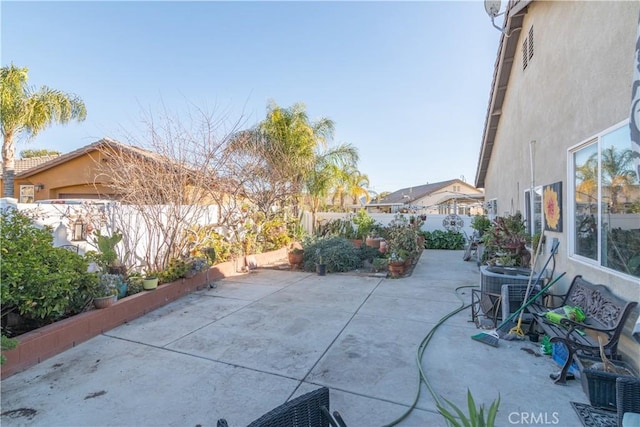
{"type": "Point", "coordinates": [492, 7]}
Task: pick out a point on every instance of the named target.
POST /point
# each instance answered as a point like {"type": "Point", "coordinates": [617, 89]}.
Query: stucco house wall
{"type": "Point", "coordinates": [577, 84]}
{"type": "Point", "coordinates": [72, 178]}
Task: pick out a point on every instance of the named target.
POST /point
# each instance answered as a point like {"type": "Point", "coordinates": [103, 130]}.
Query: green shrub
{"type": "Point", "coordinates": [273, 235]}
{"type": "Point", "coordinates": [176, 269]}
{"type": "Point", "coordinates": [202, 238]}
{"type": "Point", "coordinates": [41, 282]}
{"type": "Point", "coordinates": [337, 253]}
{"type": "Point", "coordinates": [134, 284]}
{"type": "Point", "coordinates": [368, 253]}
{"type": "Point", "coordinates": [439, 239]}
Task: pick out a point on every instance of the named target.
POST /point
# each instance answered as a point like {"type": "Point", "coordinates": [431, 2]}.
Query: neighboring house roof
{"type": "Point", "coordinates": [516, 9]}
{"type": "Point", "coordinates": [411, 194]}
{"type": "Point", "coordinates": [104, 143]}
{"type": "Point", "coordinates": [22, 165]}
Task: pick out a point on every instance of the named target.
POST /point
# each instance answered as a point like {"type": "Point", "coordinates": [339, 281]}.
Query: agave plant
{"type": "Point", "coordinates": [476, 416]}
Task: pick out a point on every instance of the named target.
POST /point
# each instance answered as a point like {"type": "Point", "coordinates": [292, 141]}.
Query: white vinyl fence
{"type": "Point", "coordinates": [74, 222]}
{"type": "Point", "coordinates": [433, 222]}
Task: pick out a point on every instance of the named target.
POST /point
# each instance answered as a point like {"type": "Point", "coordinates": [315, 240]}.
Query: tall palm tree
{"type": "Point", "coordinates": [288, 140]}
{"type": "Point", "coordinates": [28, 111]}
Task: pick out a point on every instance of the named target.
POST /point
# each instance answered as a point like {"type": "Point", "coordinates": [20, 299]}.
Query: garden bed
{"type": "Point", "coordinates": [43, 343]}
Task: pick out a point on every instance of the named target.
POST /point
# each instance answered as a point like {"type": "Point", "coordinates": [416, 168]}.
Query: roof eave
{"type": "Point", "coordinates": [504, 62]}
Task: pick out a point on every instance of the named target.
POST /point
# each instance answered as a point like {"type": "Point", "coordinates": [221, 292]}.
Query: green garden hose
{"type": "Point", "coordinates": [422, 378]}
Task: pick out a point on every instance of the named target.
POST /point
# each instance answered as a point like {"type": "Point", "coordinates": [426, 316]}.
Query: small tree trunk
{"type": "Point", "coordinates": [8, 165]}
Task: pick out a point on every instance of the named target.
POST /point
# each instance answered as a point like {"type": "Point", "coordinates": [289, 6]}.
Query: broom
{"type": "Point", "coordinates": [491, 337]}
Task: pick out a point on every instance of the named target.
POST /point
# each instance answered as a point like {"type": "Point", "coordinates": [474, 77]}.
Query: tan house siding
{"type": "Point", "coordinates": [71, 178]}
{"type": "Point", "coordinates": [577, 84]}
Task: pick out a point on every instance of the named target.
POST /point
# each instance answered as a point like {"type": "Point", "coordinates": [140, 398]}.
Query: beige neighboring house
{"type": "Point", "coordinates": [27, 194]}
{"type": "Point", "coordinates": [560, 101]}
{"type": "Point", "coordinates": [446, 197]}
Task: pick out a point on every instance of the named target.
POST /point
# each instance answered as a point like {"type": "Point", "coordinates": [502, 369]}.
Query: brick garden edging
{"type": "Point", "coordinates": [43, 343]}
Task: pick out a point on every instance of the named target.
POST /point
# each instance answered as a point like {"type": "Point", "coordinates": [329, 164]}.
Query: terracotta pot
{"type": "Point", "coordinates": [356, 242]}
{"type": "Point", "coordinates": [383, 246]}
{"type": "Point", "coordinates": [396, 268]}
{"type": "Point", "coordinates": [295, 258]}
{"type": "Point", "coordinates": [373, 242]}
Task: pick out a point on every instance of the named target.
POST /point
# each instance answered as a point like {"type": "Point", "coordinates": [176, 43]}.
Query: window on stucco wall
{"type": "Point", "coordinates": [27, 193]}
{"type": "Point", "coordinates": [533, 211]}
{"type": "Point", "coordinates": [605, 201]}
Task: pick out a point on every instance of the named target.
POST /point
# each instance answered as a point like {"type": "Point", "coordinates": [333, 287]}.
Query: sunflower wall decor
{"type": "Point", "coordinates": [552, 206]}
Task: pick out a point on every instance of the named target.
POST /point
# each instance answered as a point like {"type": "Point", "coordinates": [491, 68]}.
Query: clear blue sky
{"type": "Point", "coordinates": [406, 82]}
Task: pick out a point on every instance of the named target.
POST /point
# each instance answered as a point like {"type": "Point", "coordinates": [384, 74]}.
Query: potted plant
{"type": "Point", "coordinates": [506, 242]}
{"type": "Point", "coordinates": [403, 238]}
{"type": "Point", "coordinates": [150, 281]}
{"type": "Point", "coordinates": [108, 255]}
{"type": "Point", "coordinates": [373, 240]}
{"type": "Point", "coordinates": [106, 290]}
{"type": "Point", "coordinates": [397, 262]}
{"type": "Point", "coordinates": [296, 256]}
{"type": "Point", "coordinates": [365, 224]}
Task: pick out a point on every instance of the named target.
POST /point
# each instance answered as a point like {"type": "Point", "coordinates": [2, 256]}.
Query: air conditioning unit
{"type": "Point", "coordinates": [492, 278]}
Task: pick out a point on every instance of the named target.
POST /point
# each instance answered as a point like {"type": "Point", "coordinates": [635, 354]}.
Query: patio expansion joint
{"type": "Point", "coordinates": [208, 359]}
{"type": "Point", "coordinates": [348, 322]}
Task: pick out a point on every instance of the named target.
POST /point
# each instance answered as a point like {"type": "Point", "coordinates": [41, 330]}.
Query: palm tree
{"type": "Point", "coordinates": [617, 172]}
{"type": "Point", "coordinates": [357, 185]}
{"type": "Point", "coordinates": [29, 111]}
{"type": "Point", "coordinates": [326, 173]}
{"type": "Point", "coordinates": [288, 141]}
{"type": "Point", "coordinates": [353, 183]}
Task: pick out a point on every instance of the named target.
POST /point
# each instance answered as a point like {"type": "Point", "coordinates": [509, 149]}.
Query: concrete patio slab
{"type": "Point", "coordinates": [374, 356]}
{"type": "Point", "coordinates": [276, 338]}
{"type": "Point", "coordinates": [259, 339]}
{"type": "Point", "coordinates": [169, 323]}
{"type": "Point", "coordinates": [93, 385]}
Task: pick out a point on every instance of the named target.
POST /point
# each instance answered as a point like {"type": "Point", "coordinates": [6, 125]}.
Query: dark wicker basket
{"type": "Point", "coordinates": [627, 396]}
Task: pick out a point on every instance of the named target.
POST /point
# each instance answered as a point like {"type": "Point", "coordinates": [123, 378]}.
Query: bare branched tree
{"type": "Point", "coordinates": [180, 173]}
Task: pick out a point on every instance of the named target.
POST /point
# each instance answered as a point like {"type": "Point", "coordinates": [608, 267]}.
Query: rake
{"type": "Point", "coordinates": [516, 332]}
{"type": "Point", "coordinates": [491, 337]}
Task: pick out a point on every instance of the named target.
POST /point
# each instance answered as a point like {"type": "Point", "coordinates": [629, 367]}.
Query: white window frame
{"type": "Point", "coordinates": [571, 210]}
{"type": "Point", "coordinates": [492, 208]}
{"type": "Point", "coordinates": [24, 193]}
{"type": "Point", "coordinates": [530, 211]}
